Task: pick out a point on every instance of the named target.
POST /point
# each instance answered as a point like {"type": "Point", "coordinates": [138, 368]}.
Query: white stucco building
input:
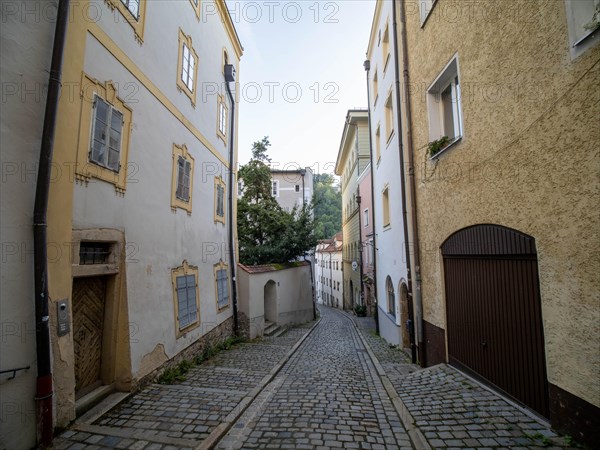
{"type": "Point", "coordinates": [138, 214]}
{"type": "Point", "coordinates": [389, 229]}
{"type": "Point", "coordinates": [292, 187]}
{"type": "Point", "coordinates": [329, 278]}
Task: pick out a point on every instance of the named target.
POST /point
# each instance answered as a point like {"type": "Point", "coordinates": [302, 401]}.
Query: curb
{"type": "Point", "coordinates": [416, 436]}
{"type": "Point", "coordinates": [217, 434]}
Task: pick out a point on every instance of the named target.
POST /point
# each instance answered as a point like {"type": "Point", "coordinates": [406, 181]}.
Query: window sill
{"type": "Point", "coordinates": [446, 148]}
{"type": "Point", "coordinates": [386, 63]}
{"type": "Point", "coordinates": [424, 20]}
{"type": "Point", "coordinates": [585, 38]}
{"type": "Point", "coordinates": [389, 139]}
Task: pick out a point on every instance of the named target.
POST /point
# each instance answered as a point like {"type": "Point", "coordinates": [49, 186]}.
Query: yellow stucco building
{"type": "Point", "coordinates": [501, 102]}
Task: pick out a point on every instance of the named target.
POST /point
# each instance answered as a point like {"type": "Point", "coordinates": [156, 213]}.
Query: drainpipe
{"type": "Point", "coordinates": [402, 176]}
{"type": "Point", "coordinates": [44, 392]}
{"type": "Point", "coordinates": [302, 173]}
{"type": "Point", "coordinates": [367, 66]}
{"type": "Point", "coordinates": [360, 247]}
{"type": "Point", "coordinates": [230, 78]}
{"type": "Point", "coordinates": [413, 200]}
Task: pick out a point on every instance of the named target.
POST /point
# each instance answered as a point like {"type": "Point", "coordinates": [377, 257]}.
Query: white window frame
{"type": "Point", "coordinates": [425, 8]}
{"type": "Point", "coordinates": [449, 78]}
{"type": "Point", "coordinates": [135, 12]}
{"type": "Point", "coordinates": [103, 162]}
{"type": "Point", "coordinates": [366, 217]}
{"type": "Point", "coordinates": [188, 67]}
{"type": "Point", "coordinates": [579, 41]}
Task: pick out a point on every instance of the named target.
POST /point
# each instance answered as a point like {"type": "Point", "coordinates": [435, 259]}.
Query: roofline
{"type": "Point", "coordinates": [376, 15]}
{"type": "Point", "coordinates": [230, 27]}
{"type": "Point", "coordinates": [349, 120]}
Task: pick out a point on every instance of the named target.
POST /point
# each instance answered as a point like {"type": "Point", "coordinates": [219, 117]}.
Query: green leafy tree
{"type": "Point", "coordinates": [266, 232]}
{"type": "Point", "coordinates": [327, 206]}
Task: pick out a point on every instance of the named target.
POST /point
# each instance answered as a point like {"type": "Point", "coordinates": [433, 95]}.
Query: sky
{"type": "Point", "coordinates": [302, 69]}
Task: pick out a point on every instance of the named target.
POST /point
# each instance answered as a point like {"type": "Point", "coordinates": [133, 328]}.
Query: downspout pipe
{"type": "Point", "coordinates": [402, 168]}
{"type": "Point", "coordinates": [40, 236]}
{"type": "Point", "coordinates": [367, 66]}
{"type": "Point", "coordinates": [360, 248]}
{"type": "Point", "coordinates": [413, 200]}
{"type": "Point", "coordinates": [230, 77]}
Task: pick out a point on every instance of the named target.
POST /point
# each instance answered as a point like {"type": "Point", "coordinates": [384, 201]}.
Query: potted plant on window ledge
{"type": "Point", "coordinates": [434, 147]}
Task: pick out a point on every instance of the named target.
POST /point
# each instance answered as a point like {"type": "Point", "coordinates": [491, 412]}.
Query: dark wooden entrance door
{"type": "Point", "coordinates": [88, 323]}
{"type": "Point", "coordinates": [494, 313]}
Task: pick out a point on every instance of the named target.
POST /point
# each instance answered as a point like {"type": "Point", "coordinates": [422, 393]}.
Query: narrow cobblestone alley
{"type": "Point", "coordinates": [340, 386]}
{"type": "Point", "coordinates": [327, 396]}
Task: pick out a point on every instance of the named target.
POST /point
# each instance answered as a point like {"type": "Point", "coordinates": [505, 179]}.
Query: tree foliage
{"type": "Point", "coordinates": [327, 206]}
{"type": "Point", "coordinates": [266, 232]}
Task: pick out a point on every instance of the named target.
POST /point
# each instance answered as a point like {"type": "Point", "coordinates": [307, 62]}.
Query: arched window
{"type": "Point", "coordinates": [391, 300]}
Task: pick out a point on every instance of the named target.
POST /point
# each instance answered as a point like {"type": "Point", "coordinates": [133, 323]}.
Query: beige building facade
{"type": "Point", "coordinates": [353, 157]}
{"type": "Point", "coordinates": [502, 121]}
{"type": "Point", "coordinates": [292, 188]}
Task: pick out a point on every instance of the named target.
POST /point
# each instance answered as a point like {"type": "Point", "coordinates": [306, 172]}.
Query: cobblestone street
{"type": "Point", "coordinates": [340, 386]}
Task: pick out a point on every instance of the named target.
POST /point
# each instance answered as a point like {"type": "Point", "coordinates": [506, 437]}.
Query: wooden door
{"type": "Point", "coordinates": [493, 310]}
{"type": "Point", "coordinates": [88, 322]}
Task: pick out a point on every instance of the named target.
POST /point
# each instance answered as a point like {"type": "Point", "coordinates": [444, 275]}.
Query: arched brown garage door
{"type": "Point", "coordinates": [494, 319]}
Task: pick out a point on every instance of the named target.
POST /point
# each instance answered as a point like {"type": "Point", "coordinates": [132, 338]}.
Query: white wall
{"type": "Point", "coordinates": [25, 51]}
{"type": "Point", "coordinates": [294, 296]}
{"type": "Point", "coordinates": [391, 255]}
{"type": "Point", "coordinates": [157, 238]}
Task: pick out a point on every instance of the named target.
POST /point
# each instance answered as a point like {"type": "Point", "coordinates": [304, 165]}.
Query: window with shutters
{"type": "Point", "coordinates": [219, 200]}
{"type": "Point", "coordinates": [183, 177]}
{"type": "Point", "coordinates": [222, 285]}
{"type": "Point", "coordinates": [222, 117]}
{"type": "Point", "coordinates": [187, 73]}
{"type": "Point", "coordinates": [104, 133]}
{"type": "Point", "coordinates": [186, 298]}
{"type": "Point", "coordinates": [107, 128]}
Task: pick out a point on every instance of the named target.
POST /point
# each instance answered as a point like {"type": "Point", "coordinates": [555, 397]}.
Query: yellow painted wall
{"type": "Point", "coordinates": [529, 160]}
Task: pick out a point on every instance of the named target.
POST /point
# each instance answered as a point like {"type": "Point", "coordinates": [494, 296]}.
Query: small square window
{"type": "Point", "coordinates": [94, 252]}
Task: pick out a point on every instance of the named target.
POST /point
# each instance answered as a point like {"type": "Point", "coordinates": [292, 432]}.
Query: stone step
{"type": "Point", "coordinates": [271, 329]}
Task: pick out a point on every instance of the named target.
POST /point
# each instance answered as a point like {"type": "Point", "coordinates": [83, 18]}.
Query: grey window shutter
{"type": "Point", "coordinates": [186, 181]}
{"type": "Point", "coordinates": [191, 298]}
{"type": "Point", "coordinates": [182, 302]}
{"type": "Point", "coordinates": [180, 176]}
{"type": "Point", "coordinates": [114, 140]}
